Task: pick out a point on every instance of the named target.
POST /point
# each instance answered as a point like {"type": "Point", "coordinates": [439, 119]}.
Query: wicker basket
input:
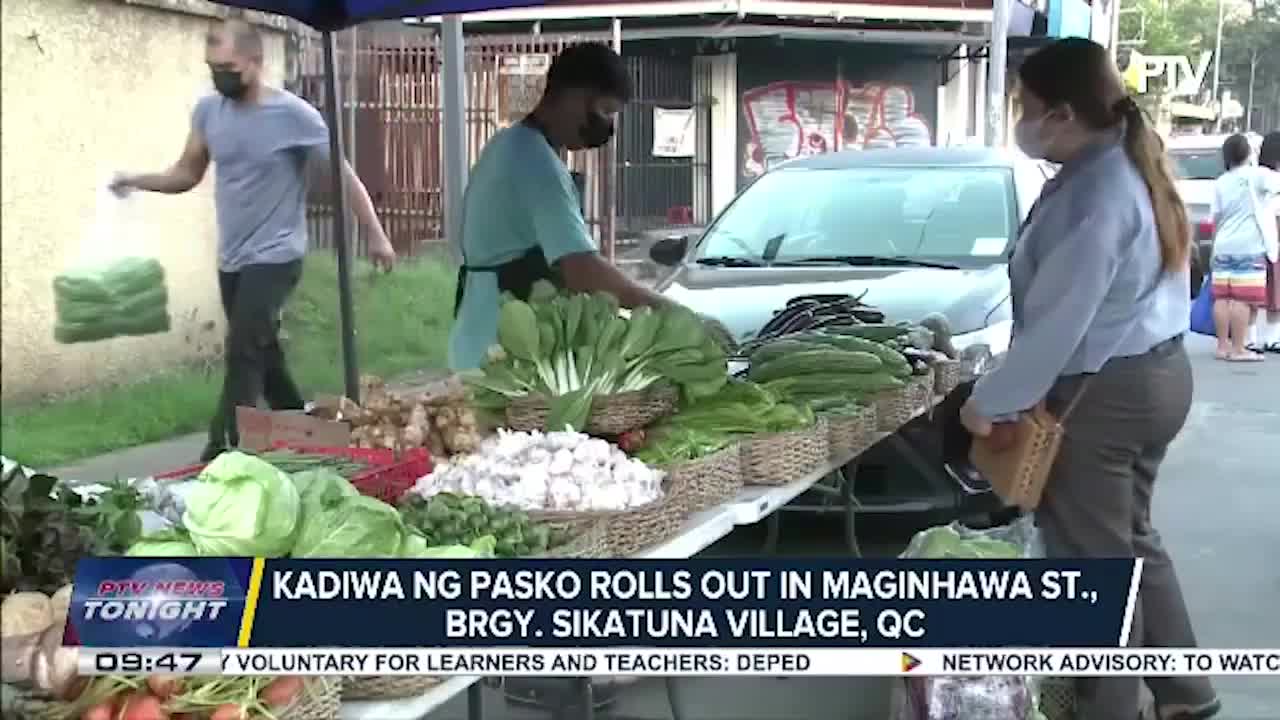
{"type": "Point", "coordinates": [850, 432]}
{"type": "Point", "coordinates": [711, 479]}
{"type": "Point", "coordinates": [1057, 698]}
{"type": "Point", "coordinates": [320, 700]}
{"type": "Point", "coordinates": [634, 530]}
{"type": "Point", "coordinates": [946, 376]}
{"type": "Point", "coordinates": [386, 687]}
{"type": "Point", "coordinates": [920, 388]}
{"type": "Point", "coordinates": [630, 531]}
{"type": "Point", "coordinates": [781, 458]}
{"type": "Point", "coordinates": [894, 408]}
{"type": "Point", "coordinates": [610, 414]}
{"type": "Point", "coordinates": [1019, 471]}
{"type": "Point", "coordinates": [590, 539]}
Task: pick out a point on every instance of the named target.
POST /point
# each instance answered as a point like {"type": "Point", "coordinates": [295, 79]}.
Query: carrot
{"type": "Point", "coordinates": [228, 711]}
{"type": "Point", "coordinates": [101, 711]}
{"type": "Point", "coordinates": [164, 686]}
{"type": "Point", "coordinates": [141, 706]}
{"type": "Point", "coordinates": [282, 691]}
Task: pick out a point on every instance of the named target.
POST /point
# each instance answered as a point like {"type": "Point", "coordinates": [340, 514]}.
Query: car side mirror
{"type": "Point", "coordinates": [670, 251]}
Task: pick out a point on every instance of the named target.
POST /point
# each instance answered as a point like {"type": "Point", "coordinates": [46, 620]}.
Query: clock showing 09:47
{"type": "Point", "coordinates": [120, 661]}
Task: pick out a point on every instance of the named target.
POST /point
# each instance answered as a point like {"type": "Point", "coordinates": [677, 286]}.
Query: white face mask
{"type": "Point", "coordinates": [1026, 133]}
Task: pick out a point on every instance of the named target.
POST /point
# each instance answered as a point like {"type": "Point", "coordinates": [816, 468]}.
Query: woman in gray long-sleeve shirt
{"type": "Point", "coordinates": [1100, 281]}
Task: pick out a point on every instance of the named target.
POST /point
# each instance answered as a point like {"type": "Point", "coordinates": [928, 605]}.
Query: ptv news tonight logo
{"type": "Point", "coordinates": [157, 601]}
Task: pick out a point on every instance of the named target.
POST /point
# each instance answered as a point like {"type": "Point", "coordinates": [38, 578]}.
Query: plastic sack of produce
{"type": "Point", "coordinates": [970, 698]}
{"type": "Point", "coordinates": [1017, 540]}
{"type": "Point", "coordinates": [110, 291]}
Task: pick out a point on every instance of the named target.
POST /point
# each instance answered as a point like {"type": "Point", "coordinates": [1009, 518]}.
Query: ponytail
{"type": "Point", "coordinates": [1146, 150]}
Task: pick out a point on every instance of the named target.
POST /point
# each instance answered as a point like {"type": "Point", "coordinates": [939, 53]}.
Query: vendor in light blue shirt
{"type": "Point", "coordinates": [522, 215]}
{"type": "Point", "coordinates": [1100, 288]}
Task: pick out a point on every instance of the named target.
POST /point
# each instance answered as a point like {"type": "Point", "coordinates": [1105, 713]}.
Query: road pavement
{"type": "Point", "coordinates": [1216, 505]}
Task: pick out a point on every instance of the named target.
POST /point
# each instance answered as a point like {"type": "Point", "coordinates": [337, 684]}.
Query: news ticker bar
{"type": "Point", "coordinates": [586, 662]}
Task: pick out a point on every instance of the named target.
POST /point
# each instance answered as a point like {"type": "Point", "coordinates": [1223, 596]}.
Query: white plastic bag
{"type": "Point", "coordinates": [109, 290]}
{"type": "Point", "coordinates": [970, 698]}
{"type": "Point", "coordinates": [1018, 540]}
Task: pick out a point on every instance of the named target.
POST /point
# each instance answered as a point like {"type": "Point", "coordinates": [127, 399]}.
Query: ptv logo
{"type": "Point", "coordinates": [1180, 78]}
{"type": "Point", "coordinates": [909, 662]}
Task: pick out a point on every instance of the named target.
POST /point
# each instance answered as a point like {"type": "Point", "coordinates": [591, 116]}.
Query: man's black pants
{"type": "Point", "coordinates": [252, 299]}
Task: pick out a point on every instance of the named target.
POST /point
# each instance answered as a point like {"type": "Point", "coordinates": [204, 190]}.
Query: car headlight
{"type": "Point", "coordinates": [980, 348]}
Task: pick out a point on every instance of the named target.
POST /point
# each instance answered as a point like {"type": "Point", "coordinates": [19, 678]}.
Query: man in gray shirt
{"type": "Point", "coordinates": [263, 141]}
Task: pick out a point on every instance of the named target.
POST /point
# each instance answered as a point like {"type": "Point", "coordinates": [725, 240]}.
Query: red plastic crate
{"type": "Point", "coordinates": [388, 479]}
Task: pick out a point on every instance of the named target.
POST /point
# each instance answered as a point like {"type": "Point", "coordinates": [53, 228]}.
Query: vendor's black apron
{"type": "Point", "coordinates": [514, 276]}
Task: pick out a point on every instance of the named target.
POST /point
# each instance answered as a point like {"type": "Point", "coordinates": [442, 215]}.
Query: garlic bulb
{"type": "Point", "coordinates": [547, 471]}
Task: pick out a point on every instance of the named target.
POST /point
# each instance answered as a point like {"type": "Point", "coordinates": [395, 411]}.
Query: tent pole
{"type": "Point", "coordinates": [453, 76]}
{"type": "Point", "coordinates": [340, 223]}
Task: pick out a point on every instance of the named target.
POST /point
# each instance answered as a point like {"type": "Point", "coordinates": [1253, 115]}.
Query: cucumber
{"type": "Point", "coordinates": [809, 387]}
{"type": "Point", "coordinates": [894, 361]}
{"type": "Point", "coordinates": [826, 360]}
{"type": "Point", "coordinates": [779, 348]}
{"type": "Point", "coordinates": [879, 332]}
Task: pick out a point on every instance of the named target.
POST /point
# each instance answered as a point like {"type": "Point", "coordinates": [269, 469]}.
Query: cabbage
{"type": "Point", "coordinates": [242, 506]}
{"type": "Point", "coordinates": [414, 544]}
{"type": "Point", "coordinates": [338, 526]}
{"type": "Point", "coordinates": [322, 485]}
{"type": "Point", "coordinates": [170, 543]}
{"type": "Point", "coordinates": [946, 543]}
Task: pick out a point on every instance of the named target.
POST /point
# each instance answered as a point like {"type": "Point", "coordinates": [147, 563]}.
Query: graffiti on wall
{"type": "Point", "coordinates": [790, 119]}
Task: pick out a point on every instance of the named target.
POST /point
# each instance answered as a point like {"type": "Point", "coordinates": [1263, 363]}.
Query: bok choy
{"type": "Point", "coordinates": [573, 347]}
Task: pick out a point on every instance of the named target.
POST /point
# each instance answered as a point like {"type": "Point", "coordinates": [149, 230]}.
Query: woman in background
{"type": "Point", "coordinates": [1268, 324]}
{"type": "Point", "coordinates": [1100, 306]}
{"type": "Point", "coordinates": [1240, 248]}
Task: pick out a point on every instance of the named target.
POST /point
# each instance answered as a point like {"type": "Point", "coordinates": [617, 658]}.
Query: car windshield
{"type": "Point", "coordinates": [1197, 164]}
{"type": "Point", "coordinates": [944, 213]}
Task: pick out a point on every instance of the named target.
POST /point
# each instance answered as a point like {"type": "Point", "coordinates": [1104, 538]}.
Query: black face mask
{"type": "Point", "coordinates": [597, 131]}
{"type": "Point", "coordinates": [230, 83]}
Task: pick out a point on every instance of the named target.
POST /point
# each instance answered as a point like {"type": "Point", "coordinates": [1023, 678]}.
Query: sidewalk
{"type": "Point", "coordinates": [135, 462]}
{"type": "Point", "coordinates": [158, 457]}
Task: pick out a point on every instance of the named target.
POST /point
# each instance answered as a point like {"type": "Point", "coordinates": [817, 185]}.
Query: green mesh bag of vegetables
{"type": "Point", "coordinates": [108, 294]}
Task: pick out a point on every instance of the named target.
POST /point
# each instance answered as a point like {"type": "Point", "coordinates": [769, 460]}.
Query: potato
{"type": "Point", "coordinates": [17, 653]}
{"type": "Point", "coordinates": [25, 613]}
{"type": "Point", "coordinates": [53, 667]}
{"type": "Point", "coordinates": [412, 437]}
{"type": "Point", "coordinates": [418, 418]}
{"type": "Point", "coordinates": [61, 604]}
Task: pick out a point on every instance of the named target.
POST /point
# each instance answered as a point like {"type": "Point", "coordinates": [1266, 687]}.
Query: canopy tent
{"type": "Point", "coordinates": [330, 15]}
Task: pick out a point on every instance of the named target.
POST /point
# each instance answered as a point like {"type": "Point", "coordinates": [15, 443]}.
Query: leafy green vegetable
{"type": "Point", "coordinates": [516, 326]}
{"type": "Point", "coordinates": [323, 486]}
{"type": "Point", "coordinates": [570, 410]}
{"type": "Point", "coordinates": [448, 519]}
{"type": "Point", "coordinates": [166, 543]}
{"type": "Point", "coordinates": [710, 423]}
{"type": "Point", "coordinates": [41, 537]}
{"type": "Point", "coordinates": [337, 525]}
{"type": "Point", "coordinates": [242, 506]}
{"type": "Point", "coordinates": [480, 548]}
{"type": "Point", "coordinates": [944, 543]}
{"type": "Point", "coordinates": [561, 344]}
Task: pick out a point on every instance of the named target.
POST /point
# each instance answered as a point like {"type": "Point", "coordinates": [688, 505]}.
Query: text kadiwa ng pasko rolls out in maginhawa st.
{"type": "Point", "coordinates": [601, 603]}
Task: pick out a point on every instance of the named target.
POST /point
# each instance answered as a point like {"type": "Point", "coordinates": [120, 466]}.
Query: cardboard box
{"type": "Point", "coordinates": [260, 429]}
